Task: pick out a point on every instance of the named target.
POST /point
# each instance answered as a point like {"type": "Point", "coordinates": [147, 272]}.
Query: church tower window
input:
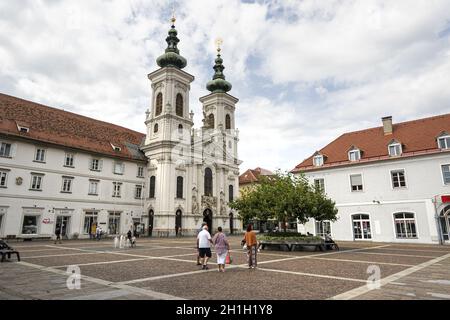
{"type": "Point", "coordinates": [155, 128]}
{"type": "Point", "coordinates": [227, 122]}
{"type": "Point", "coordinates": [208, 182]}
{"type": "Point", "coordinates": [179, 105]}
{"type": "Point", "coordinates": [179, 187]}
{"type": "Point", "coordinates": [159, 102]}
{"type": "Point", "coordinates": [180, 129]}
{"type": "Point", "coordinates": [152, 187]}
{"type": "Point", "coordinates": [230, 193]}
{"type": "Point", "coordinates": [211, 121]}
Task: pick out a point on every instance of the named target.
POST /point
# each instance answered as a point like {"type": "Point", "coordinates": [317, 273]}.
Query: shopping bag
{"type": "Point", "coordinates": [228, 259]}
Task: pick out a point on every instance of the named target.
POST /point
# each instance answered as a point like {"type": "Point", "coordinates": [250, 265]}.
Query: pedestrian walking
{"type": "Point", "coordinates": [203, 243]}
{"type": "Point", "coordinates": [58, 235]}
{"type": "Point", "coordinates": [252, 245]}
{"type": "Point", "coordinates": [99, 233]}
{"type": "Point", "coordinates": [198, 252]}
{"type": "Point", "coordinates": [222, 247]}
{"type": "Point", "coordinates": [93, 231]}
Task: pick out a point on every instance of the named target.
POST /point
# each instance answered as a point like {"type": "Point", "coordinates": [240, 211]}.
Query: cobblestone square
{"type": "Point", "coordinates": [165, 268]}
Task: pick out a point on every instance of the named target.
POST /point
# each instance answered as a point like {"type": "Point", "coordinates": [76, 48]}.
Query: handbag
{"type": "Point", "coordinates": [228, 259]}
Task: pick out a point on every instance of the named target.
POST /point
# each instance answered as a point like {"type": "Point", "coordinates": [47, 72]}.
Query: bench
{"type": "Point", "coordinates": [163, 234]}
{"type": "Point", "coordinates": [6, 250]}
{"type": "Point", "coordinates": [290, 245]}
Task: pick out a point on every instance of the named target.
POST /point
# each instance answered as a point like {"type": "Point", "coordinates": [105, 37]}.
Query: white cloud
{"type": "Point", "coordinates": [305, 71]}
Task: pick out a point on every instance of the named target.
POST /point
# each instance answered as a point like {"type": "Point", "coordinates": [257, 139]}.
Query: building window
{"type": "Point", "coordinates": [152, 187]}
{"type": "Point", "coordinates": [211, 121]}
{"type": "Point", "coordinates": [138, 191]}
{"type": "Point", "coordinates": [155, 128]}
{"type": "Point", "coordinates": [140, 172]}
{"type": "Point", "coordinates": [323, 228]}
{"type": "Point", "coordinates": [180, 187]}
{"type": "Point", "coordinates": [179, 105]}
{"type": "Point", "coordinates": [395, 149]}
{"type": "Point", "coordinates": [227, 122]}
{"type": "Point", "coordinates": [356, 182]}
{"type": "Point", "coordinates": [230, 193]}
{"type": "Point", "coordinates": [117, 187]}
{"type": "Point", "coordinates": [119, 168]}
{"type": "Point", "coordinates": [114, 223]}
{"type": "Point", "coordinates": [40, 155]}
{"type": "Point", "coordinates": [36, 182]}
{"type": "Point", "coordinates": [398, 179]}
{"type": "Point", "coordinates": [444, 142]}
{"type": "Point", "coordinates": [446, 173]}
{"type": "Point", "coordinates": [90, 222]}
{"type": "Point", "coordinates": [67, 184]}
{"type": "Point", "coordinates": [68, 160]}
{"type": "Point", "coordinates": [30, 225]}
{"type": "Point", "coordinates": [159, 102]}
{"type": "Point", "coordinates": [96, 165]}
{"type": "Point", "coordinates": [3, 178]}
{"type": "Point", "coordinates": [318, 161]}
{"type": "Point", "coordinates": [5, 150]}
{"type": "Point", "coordinates": [354, 155]}
{"type": "Point", "coordinates": [361, 227]}
{"type": "Point", "coordinates": [208, 182]}
{"type": "Point", "coordinates": [405, 225]}
{"type": "Point", "coordinates": [319, 185]}
{"type": "Point", "coordinates": [93, 187]}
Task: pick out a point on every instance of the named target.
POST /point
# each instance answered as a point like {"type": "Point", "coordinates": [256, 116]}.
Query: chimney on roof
{"type": "Point", "coordinates": [387, 125]}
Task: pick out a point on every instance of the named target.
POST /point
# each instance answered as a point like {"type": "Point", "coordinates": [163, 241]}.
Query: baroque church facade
{"type": "Point", "coordinates": [193, 173]}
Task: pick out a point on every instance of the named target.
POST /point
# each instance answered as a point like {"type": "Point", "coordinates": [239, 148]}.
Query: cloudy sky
{"type": "Point", "coordinates": [305, 71]}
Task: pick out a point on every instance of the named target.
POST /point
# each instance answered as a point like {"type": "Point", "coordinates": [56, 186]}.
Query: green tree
{"type": "Point", "coordinates": [284, 197]}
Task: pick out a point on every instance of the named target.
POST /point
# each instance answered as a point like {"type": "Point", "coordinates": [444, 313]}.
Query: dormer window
{"type": "Point", "coordinates": [395, 149]}
{"type": "Point", "coordinates": [354, 155]}
{"type": "Point", "coordinates": [116, 148]}
{"type": "Point", "coordinates": [444, 141]}
{"type": "Point", "coordinates": [23, 127]}
{"type": "Point", "coordinates": [318, 160]}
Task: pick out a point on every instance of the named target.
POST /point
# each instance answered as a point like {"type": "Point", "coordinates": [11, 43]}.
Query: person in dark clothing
{"type": "Point", "coordinates": [58, 235]}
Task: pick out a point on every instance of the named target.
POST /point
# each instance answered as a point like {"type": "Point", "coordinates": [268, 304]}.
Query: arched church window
{"type": "Point", "coordinates": [179, 187]}
{"type": "Point", "coordinates": [208, 182]}
{"type": "Point", "coordinates": [180, 129]}
{"type": "Point", "coordinates": [230, 193]}
{"type": "Point", "coordinates": [227, 122]}
{"type": "Point", "coordinates": [155, 128]}
{"type": "Point", "coordinates": [159, 102]}
{"type": "Point", "coordinates": [211, 121]}
{"type": "Point", "coordinates": [179, 105]}
{"type": "Point", "coordinates": [152, 186]}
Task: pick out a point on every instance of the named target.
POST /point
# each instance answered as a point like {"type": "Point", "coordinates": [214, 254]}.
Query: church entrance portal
{"type": "Point", "coordinates": [207, 217]}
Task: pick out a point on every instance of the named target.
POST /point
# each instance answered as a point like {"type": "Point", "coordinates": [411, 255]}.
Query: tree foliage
{"type": "Point", "coordinates": [284, 197]}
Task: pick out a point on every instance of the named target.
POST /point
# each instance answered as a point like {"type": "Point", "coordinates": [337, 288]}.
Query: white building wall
{"type": "Point", "coordinates": [380, 200]}
{"type": "Point", "coordinates": [18, 200]}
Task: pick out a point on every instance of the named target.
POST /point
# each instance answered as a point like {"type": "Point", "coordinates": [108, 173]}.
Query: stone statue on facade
{"type": "Point", "coordinates": [223, 208]}
{"type": "Point", "coordinates": [194, 200]}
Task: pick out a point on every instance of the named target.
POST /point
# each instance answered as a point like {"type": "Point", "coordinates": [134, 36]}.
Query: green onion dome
{"type": "Point", "coordinates": [172, 57]}
{"type": "Point", "coordinates": [218, 83]}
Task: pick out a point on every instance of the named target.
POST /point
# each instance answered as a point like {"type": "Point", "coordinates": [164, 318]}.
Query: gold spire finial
{"type": "Point", "coordinates": [173, 19]}
{"type": "Point", "coordinates": [219, 42]}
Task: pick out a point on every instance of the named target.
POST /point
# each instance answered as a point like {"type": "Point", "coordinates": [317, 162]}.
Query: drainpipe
{"type": "Point", "coordinates": [439, 227]}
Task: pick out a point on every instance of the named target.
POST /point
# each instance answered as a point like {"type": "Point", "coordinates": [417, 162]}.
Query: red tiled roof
{"type": "Point", "coordinates": [417, 137]}
{"type": "Point", "coordinates": [252, 175]}
{"type": "Point", "coordinates": [55, 126]}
